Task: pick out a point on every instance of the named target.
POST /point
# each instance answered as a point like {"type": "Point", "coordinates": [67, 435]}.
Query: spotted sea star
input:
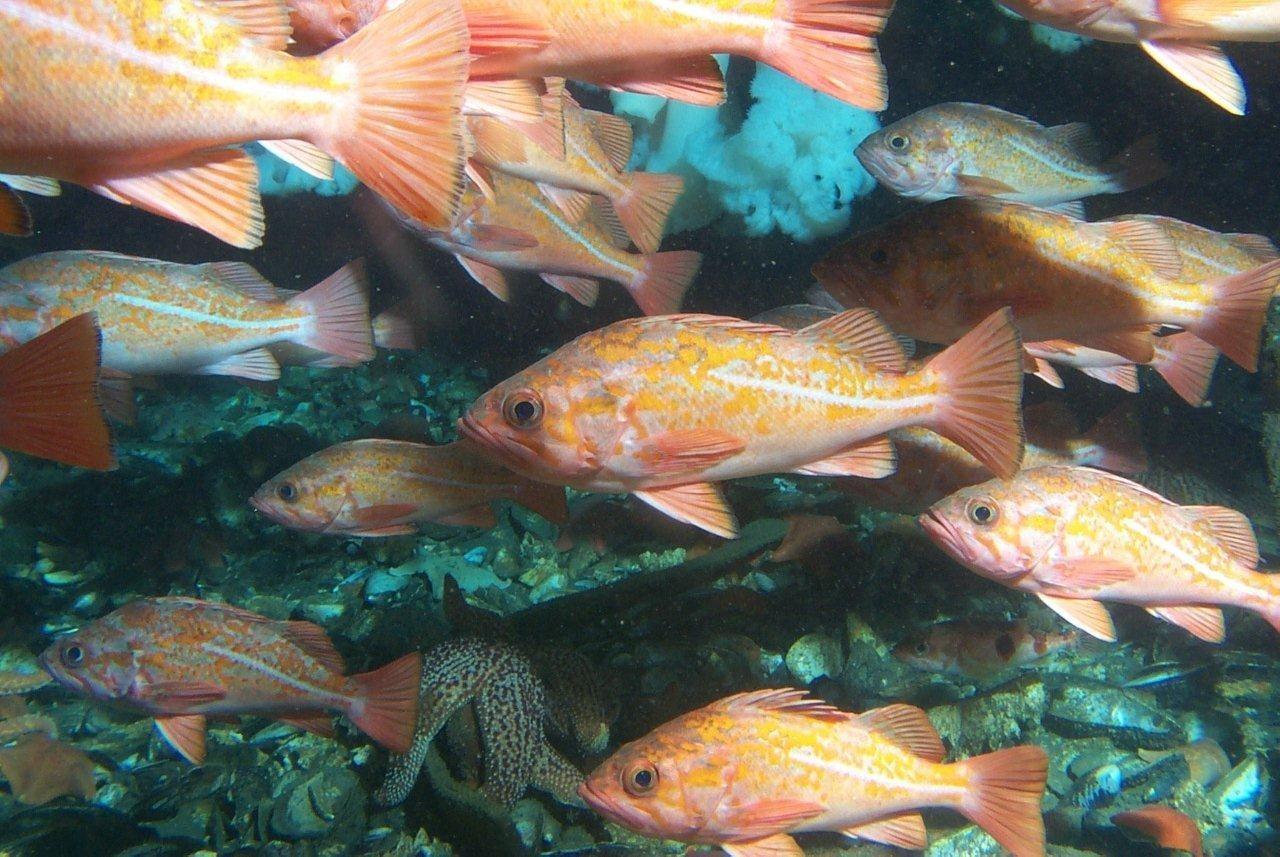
{"type": "Point", "coordinates": [509, 704]}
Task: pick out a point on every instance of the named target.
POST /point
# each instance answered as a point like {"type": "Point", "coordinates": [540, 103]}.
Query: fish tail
{"type": "Point", "coordinates": [1233, 320]}
{"type": "Point", "coordinates": [1186, 363]}
{"type": "Point", "coordinates": [981, 377]}
{"type": "Point", "coordinates": [1137, 166]}
{"type": "Point", "coordinates": [644, 205]}
{"type": "Point", "coordinates": [393, 329]}
{"type": "Point", "coordinates": [1003, 797]}
{"type": "Point", "coordinates": [1115, 443]}
{"type": "Point", "coordinates": [662, 279]}
{"type": "Point", "coordinates": [830, 45]}
{"type": "Point", "coordinates": [49, 403]}
{"type": "Point", "coordinates": [339, 310]}
{"type": "Point", "coordinates": [387, 710]}
{"type": "Point", "coordinates": [403, 134]}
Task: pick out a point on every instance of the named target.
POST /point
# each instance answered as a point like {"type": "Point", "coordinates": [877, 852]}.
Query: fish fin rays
{"type": "Point", "coordinates": [694, 80]}
{"type": "Point", "coordinates": [873, 459]}
{"type": "Point", "coordinates": [1232, 529]}
{"type": "Point", "coordinates": [700, 504]}
{"type": "Point", "coordinates": [312, 639]}
{"type": "Point", "coordinates": [901, 831]}
{"type": "Point", "coordinates": [303, 155]}
{"type": "Point", "coordinates": [778, 845]}
{"type": "Point", "coordinates": [1148, 241]}
{"type": "Point", "coordinates": [830, 45]}
{"type": "Point", "coordinates": [256, 364]}
{"type": "Point", "coordinates": [767, 818]}
{"type": "Point", "coordinates": [1125, 377]}
{"type": "Point", "coordinates": [1205, 623]}
{"type": "Point", "coordinates": [15, 217]}
{"type": "Point", "coordinates": [1204, 68]}
{"type": "Point", "coordinates": [862, 334]}
{"type": "Point", "coordinates": [1087, 615]}
{"type": "Point", "coordinates": [493, 279]}
{"type": "Point", "coordinates": [1083, 574]}
{"type": "Point", "coordinates": [972, 185]}
{"type": "Point", "coordinates": [185, 733]}
{"type": "Point", "coordinates": [908, 727]}
{"type": "Point", "coordinates": [316, 724]}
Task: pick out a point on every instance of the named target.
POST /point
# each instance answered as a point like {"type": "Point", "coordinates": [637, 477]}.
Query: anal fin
{"type": "Point", "coordinates": [1205, 623]}
{"type": "Point", "coordinates": [901, 831]}
{"type": "Point", "coordinates": [872, 459]}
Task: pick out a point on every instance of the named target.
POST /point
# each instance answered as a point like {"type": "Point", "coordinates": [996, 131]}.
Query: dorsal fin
{"type": "Point", "coordinates": [263, 22]}
{"type": "Point", "coordinates": [706, 320]}
{"type": "Point", "coordinates": [1079, 138]}
{"type": "Point", "coordinates": [1147, 240]}
{"type": "Point", "coordinates": [861, 333]}
{"type": "Point", "coordinates": [1231, 528]}
{"type": "Point", "coordinates": [1128, 483]}
{"type": "Point", "coordinates": [245, 278]}
{"type": "Point", "coordinates": [614, 135]}
{"type": "Point", "coordinates": [908, 727]}
{"type": "Point", "coordinates": [788, 700]}
{"type": "Point", "coordinates": [1257, 245]}
{"type": "Point", "coordinates": [312, 639]}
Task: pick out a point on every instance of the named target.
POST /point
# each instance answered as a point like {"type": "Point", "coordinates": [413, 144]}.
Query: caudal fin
{"type": "Point", "coordinates": [339, 309]}
{"type": "Point", "coordinates": [662, 279]}
{"type": "Point", "coordinates": [400, 129]}
{"type": "Point", "coordinates": [387, 710]}
{"type": "Point", "coordinates": [1114, 443]}
{"type": "Point", "coordinates": [49, 397]}
{"type": "Point", "coordinates": [1003, 798]}
{"type": "Point", "coordinates": [981, 384]}
{"type": "Point", "coordinates": [644, 205]}
{"type": "Point", "coordinates": [1233, 321]}
{"type": "Point", "coordinates": [394, 330]}
{"type": "Point", "coordinates": [830, 45]}
{"type": "Point", "coordinates": [1137, 166]}
{"type": "Point", "coordinates": [1186, 363]}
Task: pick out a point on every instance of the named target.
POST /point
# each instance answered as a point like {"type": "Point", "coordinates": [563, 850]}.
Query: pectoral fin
{"type": "Point", "coordinates": [1083, 575]}
{"type": "Point", "coordinates": [970, 185]}
{"type": "Point", "coordinates": [687, 450]}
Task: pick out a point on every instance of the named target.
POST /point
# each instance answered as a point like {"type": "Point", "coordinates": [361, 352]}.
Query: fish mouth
{"type": "Point", "coordinates": [506, 447]}
{"type": "Point", "coordinates": [882, 168]}
{"type": "Point", "coordinates": [611, 807]}
{"type": "Point", "coordinates": [945, 535]}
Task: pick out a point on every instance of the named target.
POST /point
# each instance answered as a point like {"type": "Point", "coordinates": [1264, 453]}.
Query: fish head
{"type": "Point", "coordinates": [919, 651]}
{"type": "Point", "coordinates": [913, 157]}
{"type": "Point", "coordinates": [97, 661]}
{"type": "Point", "coordinates": [999, 528]}
{"type": "Point", "coordinates": [311, 496]}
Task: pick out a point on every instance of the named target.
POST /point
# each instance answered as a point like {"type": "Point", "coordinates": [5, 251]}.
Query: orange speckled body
{"type": "Point", "coordinates": [1049, 529]}
{"type": "Point", "coordinates": [607, 395]}
{"type": "Point", "coordinates": [156, 317]}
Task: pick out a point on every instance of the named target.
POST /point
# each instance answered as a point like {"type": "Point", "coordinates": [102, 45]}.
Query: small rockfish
{"type": "Point", "coordinates": [748, 771]}
{"type": "Point", "coordinates": [960, 149]}
{"type": "Point", "coordinates": [980, 649]}
{"type": "Point", "coordinates": [664, 48]}
{"type": "Point", "coordinates": [1076, 537]}
{"type": "Point", "coordinates": [203, 77]}
{"type": "Point", "coordinates": [162, 318]}
{"type": "Point", "coordinates": [663, 407]}
{"type": "Point", "coordinates": [49, 398]}
{"type": "Point", "coordinates": [936, 270]}
{"type": "Point", "coordinates": [386, 487]}
{"type": "Point", "coordinates": [522, 229]}
{"type": "Point", "coordinates": [597, 147]}
{"type": "Point", "coordinates": [930, 467]}
{"type": "Point", "coordinates": [1184, 361]}
{"type": "Point", "coordinates": [182, 660]}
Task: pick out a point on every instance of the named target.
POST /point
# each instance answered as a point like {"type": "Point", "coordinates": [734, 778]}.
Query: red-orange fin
{"type": "Point", "coordinates": [614, 135]}
{"type": "Point", "coordinates": [1203, 623]}
{"type": "Point", "coordinates": [1082, 575]}
{"type": "Point", "coordinates": [115, 390]}
{"type": "Point", "coordinates": [394, 330]}
{"type": "Point", "coordinates": [662, 279]}
{"type": "Point", "coordinates": [184, 693]}
{"type": "Point", "coordinates": [316, 724]}
{"type": "Point", "coordinates": [1186, 363]}
{"type": "Point", "coordinates": [302, 155]}
{"type": "Point", "coordinates": [388, 708]}
{"type": "Point", "coordinates": [1165, 825]}
{"type": "Point", "coordinates": [216, 191]}
{"type": "Point", "coordinates": [901, 831]}
{"type": "Point", "coordinates": [644, 204]}
{"type": "Point", "coordinates": [402, 133]}
{"type": "Point", "coordinates": [339, 306]}
{"type": "Point", "coordinates": [862, 334]}
{"type": "Point", "coordinates": [1259, 246]}
{"type": "Point", "coordinates": [244, 278]}
{"type": "Point", "coordinates": [1233, 322]}
{"type": "Point", "coordinates": [574, 203]}
{"type": "Point", "coordinates": [873, 459]}
{"type": "Point", "coordinates": [49, 397]}
{"type": "Point", "coordinates": [830, 45]}
{"type": "Point", "coordinates": [981, 375]}
{"type": "Point", "coordinates": [768, 817]}
{"type": "Point", "coordinates": [1004, 794]}
{"type": "Point", "coordinates": [1204, 68]}
{"type": "Point", "coordinates": [1043, 369]}
{"type": "Point", "coordinates": [1147, 240]}
{"type": "Point", "coordinates": [263, 22]}
{"type": "Point", "coordinates": [15, 217]}
{"type": "Point", "coordinates": [688, 450]}
{"type": "Point", "coordinates": [383, 515]}
{"type": "Point", "coordinates": [498, 27]}
{"type": "Point", "coordinates": [256, 364]}
{"type": "Point", "coordinates": [584, 290]}
{"type": "Point", "coordinates": [971, 185]}
{"type": "Point", "coordinates": [699, 503]}
{"type": "Point", "coordinates": [777, 845]}
{"type": "Point", "coordinates": [186, 734]}
{"type": "Point", "coordinates": [786, 699]}
{"type": "Point", "coordinates": [1125, 377]}
{"type": "Point", "coordinates": [312, 639]}
{"type": "Point", "coordinates": [1135, 344]}
{"type": "Point", "coordinates": [908, 727]}
{"type": "Point", "coordinates": [515, 101]}
{"type": "Point", "coordinates": [693, 80]}
{"type": "Point", "coordinates": [493, 279]}
{"type": "Point", "coordinates": [1086, 614]}
{"type": "Point", "coordinates": [1232, 529]}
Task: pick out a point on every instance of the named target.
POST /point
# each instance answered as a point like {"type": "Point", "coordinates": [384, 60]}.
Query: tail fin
{"type": "Point", "coordinates": [339, 307]}
{"type": "Point", "coordinates": [49, 397]}
{"type": "Point", "coordinates": [830, 45]}
{"type": "Point", "coordinates": [401, 131]}
{"type": "Point", "coordinates": [644, 205]}
{"type": "Point", "coordinates": [1137, 166]}
{"type": "Point", "coordinates": [393, 329]}
{"type": "Point", "coordinates": [387, 710]}
{"type": "Point", "coordinates": [1186, 363]}
{"type": "Point", "coordinates": [662, 279]}
{"type": "Point", "coordinates": [1114, 443]}
{"type": "Point", "coordinates": [1003, 798]}
{"type": "Point", "coordinates": [981, 382]}
{"type": "Point", "coordinates": [1233, 321]}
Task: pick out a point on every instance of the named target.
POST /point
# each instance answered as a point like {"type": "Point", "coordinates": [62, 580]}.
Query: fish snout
{"type": "Point", "coordinates": [871, 153]}
{"type": "Point", "coordinates": [945, 535]}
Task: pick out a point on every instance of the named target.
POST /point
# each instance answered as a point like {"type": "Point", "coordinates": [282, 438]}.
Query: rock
{"type": "Point", "coordinates": [327, 804]}
{"type": "Point", "coordinates": [814, 656]}
{"type": "Point", "coordinates": [996, 719]}
{"type": "Point", "coordinates": [1129, 718]}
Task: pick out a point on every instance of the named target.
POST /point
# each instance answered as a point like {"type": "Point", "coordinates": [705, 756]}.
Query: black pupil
{"type": "Point", "coordinates": [643, 778]}
{"type": "Point", "coordinates": [981, 514]}
{"type": "Point", "coordinates": [898, 142]}
{"type": "Point", "coordinates": [286, 491]}
{"type": "Point", "coordinates": [879, 256]}
{"type": "Point", "coordinates": [524, 411]}
{"type": "Point", "coordinates": [73, 655]}
{"type": "Point", "coordinates": [921, 648]}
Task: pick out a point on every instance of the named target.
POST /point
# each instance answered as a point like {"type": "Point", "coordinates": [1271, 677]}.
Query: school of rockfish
{"type": "Point", "coordinates": [457, 114]}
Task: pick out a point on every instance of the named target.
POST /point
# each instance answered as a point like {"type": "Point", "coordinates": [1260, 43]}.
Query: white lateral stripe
{"type": "Point", "coordinates": [806, 756]}
{"type": "Point", "coordinates": [706, 13]}
{"type": "Point", "coordinates": [814, 394]}
{"type": "Point", "coordinates": [600, 172]}
{"type": "Point", "coordinates": [315, 693]}
{"type": "Point", "coordinates": [19, 12]}
{"type": "Point", "coordinates": [162, 308]}
{"type": "Point", "coordinates": [1079, 175]}
{"type": "Point", "coordinates": [575, 236]}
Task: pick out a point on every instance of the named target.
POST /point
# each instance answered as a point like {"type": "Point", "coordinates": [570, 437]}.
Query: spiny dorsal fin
{"type": "Point", "coordinates": [786, 700]}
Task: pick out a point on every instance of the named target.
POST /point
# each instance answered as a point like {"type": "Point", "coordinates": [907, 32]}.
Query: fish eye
{"type": "Point", "coordinates": [982, 512]}
{"type": "Point", "coordinates": [899, 142]}
{"type": "Point", "coordinates": [523, 408]}
{"type": "Point", "coordinates": [72, 656]}
{"type": "Point", "coordinates": [922, 648]}
{"type": "Point", "coordinates": [287, 492]}
{"type": "Point", "coordinates": [640, 779]}
{"type": "Point", "coordinates": [879, 255]}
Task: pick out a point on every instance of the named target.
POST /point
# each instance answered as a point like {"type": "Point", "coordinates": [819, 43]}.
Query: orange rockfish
{"type": "Point", "coordinates": [663, 407]}
{"type": "Point", "coordinates": [386, 487]}
{"type": "Point", "coordinates": [49, 398]}
{"type": "Point", "coordinates": [980, 649]}
{"type": "Point", "coordinates": [597, 147]}
{"type": "Point", "coordinates": [522, 229]}
{"type": "Point", "coordinates": [746, 772]}
{"type": "Point", "coordinates": [663, 47]}
{"type": "Point", "coordinates": [202, 77]}
{"type": "Point", "coordinates": [960, 149]}
{"type": "Point", "coordinates": [182, 660]}
{"type": "Point", "coordinates": [1178, 34]}
{"type": "Point", "coordinates": [1076, 537]}
{"type": "Point", "coordinates": [938, 269]}
{"type": "Point", "coordinates": [930, 467]}
{"type": "Point", "coordinates": [1185, 362]}
{"type": "Point", "coordinates": [163, 317]}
